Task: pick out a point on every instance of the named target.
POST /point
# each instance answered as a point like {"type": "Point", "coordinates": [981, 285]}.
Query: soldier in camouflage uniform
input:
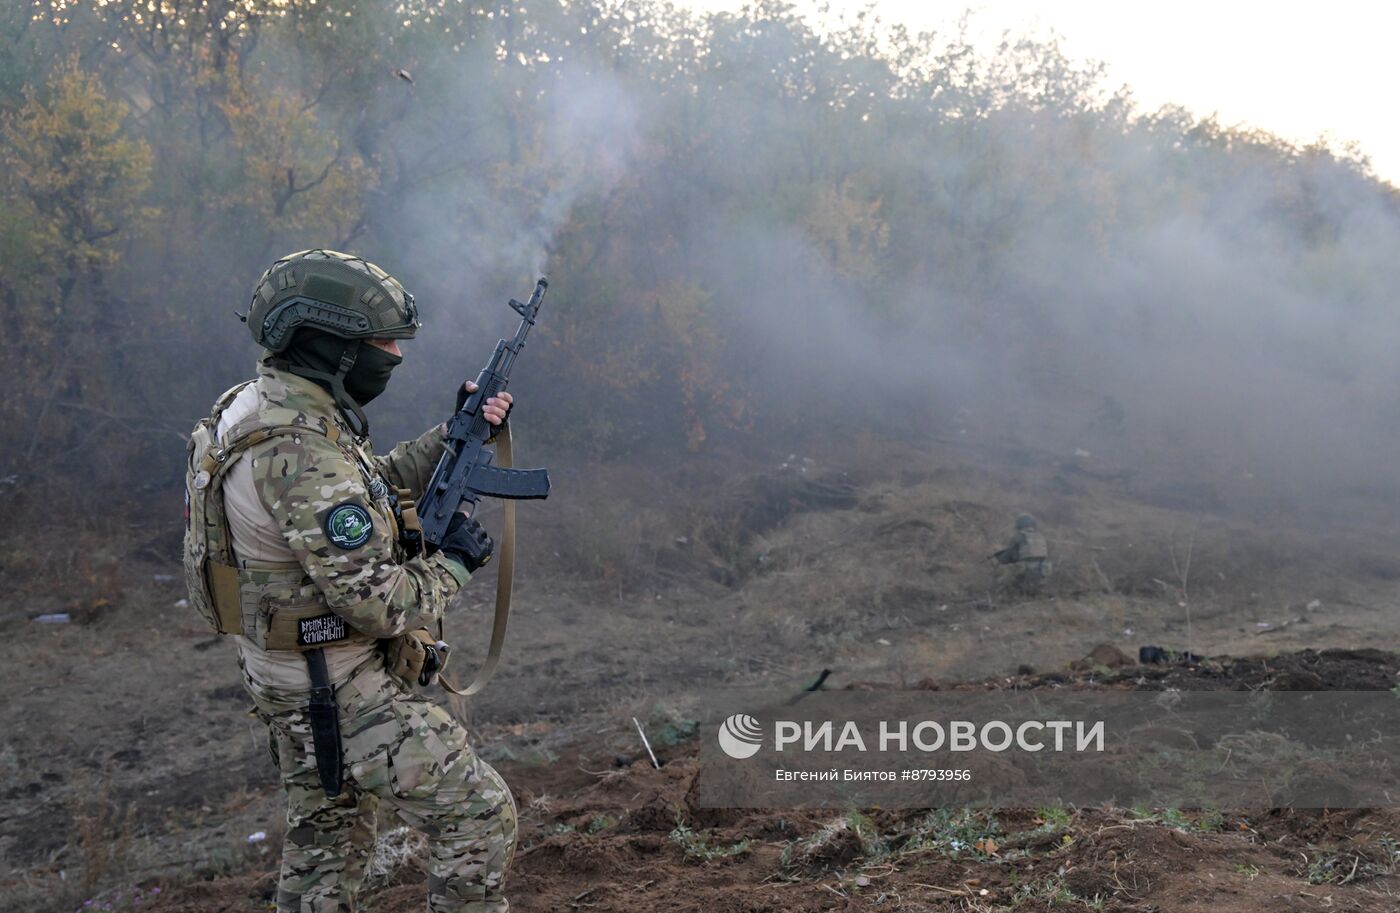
{"type": "Point", "coordinates": [321, 574]}
{"type": "Point", "coordinates": [1029, 552]}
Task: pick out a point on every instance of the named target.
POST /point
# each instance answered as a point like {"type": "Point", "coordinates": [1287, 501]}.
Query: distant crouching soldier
{"type": "Point", "coordinates": [1028, 551]}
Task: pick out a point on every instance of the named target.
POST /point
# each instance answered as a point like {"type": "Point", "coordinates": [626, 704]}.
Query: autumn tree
{"type": "Point", "coordinates": [74, 181]}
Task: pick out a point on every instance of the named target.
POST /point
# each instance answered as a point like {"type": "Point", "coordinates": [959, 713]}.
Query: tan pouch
{"type": "Point", "coordinates": [406, 654]}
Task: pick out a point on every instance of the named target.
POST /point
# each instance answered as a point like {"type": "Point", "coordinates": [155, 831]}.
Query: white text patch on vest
{"type": "Point", "coordinates": [321, 629]}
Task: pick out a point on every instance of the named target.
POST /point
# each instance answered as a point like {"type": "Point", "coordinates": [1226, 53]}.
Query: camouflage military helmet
{"type": "Point", "coordinates": [1025, 521]}
{"type": "Point", "coordinates": [337, 293]}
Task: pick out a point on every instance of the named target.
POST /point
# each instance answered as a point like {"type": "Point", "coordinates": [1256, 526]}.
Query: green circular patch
{"type": "Point", "coordinates": [348, 526]}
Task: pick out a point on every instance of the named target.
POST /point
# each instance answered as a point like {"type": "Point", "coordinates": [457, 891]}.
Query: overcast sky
{"type": "Point", "coordinates": [1297, 69]}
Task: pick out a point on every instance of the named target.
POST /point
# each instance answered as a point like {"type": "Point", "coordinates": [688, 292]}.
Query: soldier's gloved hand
{"type": "Point", "coordinates": [496, 409]}
{"type": "Point", "coordinates": [467, 543]}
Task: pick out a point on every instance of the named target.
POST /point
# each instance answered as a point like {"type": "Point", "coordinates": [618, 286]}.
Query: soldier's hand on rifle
{"type": "Point", "coordinates": [497, 408]}
{"type": "Point", "coordinates": [467, 542]}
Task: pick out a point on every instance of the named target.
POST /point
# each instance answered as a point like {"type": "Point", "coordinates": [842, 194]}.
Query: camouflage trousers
{"type": "Point", "coordinates": [1027, 577]}
{"type": "Point", "coordinates": [404, 751]}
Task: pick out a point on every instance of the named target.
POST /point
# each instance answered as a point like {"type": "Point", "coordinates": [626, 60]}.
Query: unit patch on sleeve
{"type": "Point", "coordinates": [348, 526]}
{"type": "Point", "coordinates": [322, 629]}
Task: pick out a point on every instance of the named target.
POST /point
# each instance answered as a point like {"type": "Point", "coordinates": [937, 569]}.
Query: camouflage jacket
{"type": "Point", "coordinates": [1029, 545]}
{"type": "Point", "coordinates": [1026, 545]}
{"type": "Point", "coordinates": [329, 497]}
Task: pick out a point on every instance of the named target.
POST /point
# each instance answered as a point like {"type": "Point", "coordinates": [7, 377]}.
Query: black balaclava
{"type": "Point", "coordinates": [370, 374]}
{"type": "Point", "coordinates": [353, 373]}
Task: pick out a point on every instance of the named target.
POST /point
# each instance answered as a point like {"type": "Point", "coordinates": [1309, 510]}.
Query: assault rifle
{"type": "Point", "coordinates": [465, 472]}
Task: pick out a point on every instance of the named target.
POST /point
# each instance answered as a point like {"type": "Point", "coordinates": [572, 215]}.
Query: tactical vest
{"type": "Point", "coordinates": [274, 604]}
{"type": "Point", "coordinates": [1032, 546]}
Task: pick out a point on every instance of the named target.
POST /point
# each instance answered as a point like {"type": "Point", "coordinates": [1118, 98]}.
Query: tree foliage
{"type": "Point", "coordinates": [733, 207]}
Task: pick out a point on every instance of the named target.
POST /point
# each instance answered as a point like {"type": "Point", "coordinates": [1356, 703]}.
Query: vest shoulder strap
{"type": "Point", "coordinates": [259, 427]}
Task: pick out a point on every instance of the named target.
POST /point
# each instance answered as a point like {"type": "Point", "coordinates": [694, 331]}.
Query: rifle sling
{"type": "Point", "coordinates": [505, 576]}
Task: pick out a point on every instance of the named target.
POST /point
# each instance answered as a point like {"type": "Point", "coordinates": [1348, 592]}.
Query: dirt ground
{"type": "Point", "coordinates": [133, 775]}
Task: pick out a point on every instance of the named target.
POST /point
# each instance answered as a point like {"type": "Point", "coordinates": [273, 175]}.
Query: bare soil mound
{"type": "Point", "coordinates": [1108, 667]}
